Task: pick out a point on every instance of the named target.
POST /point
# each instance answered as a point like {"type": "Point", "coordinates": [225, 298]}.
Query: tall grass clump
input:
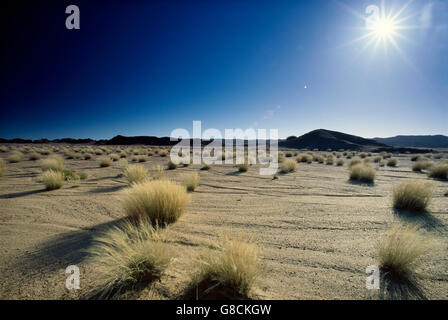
{"type": "Point", "coordinates": [105, 162]}
{"type": "Point", "coordinates": [54, 162]}
{"type": "Point", "coordinates": [128, 257]}
{"type": "Point", "coordinates": [340, 162]}
{"type": "Point", "coordinates": [171, 165]}
{"type": "Point", "coordinates": [161, 201]}
{"type": "Point", "coordinates": [191, 181]}
{"type": "Point", "coordinates": [230, 273]}
{"type": "Point", "coordinates": [15, 156]}
{"type": "Point", "coordinates": [135, 174]}
{"type": "Point", "coordinates": [392, 162]}
{"type": "Point", "coordinates": [289, 165]}
{"type": "Point", "coordinates": [439, 171]}
{"type": "Point", "coordinates": [354, 162]}
{"type": "Point", "coordinates": [401, 249]}
{"type": "Point", "coordinates": [2, 167]}
{"type": "Point", "coordinates": [412, 195]}
{"type": "Point", "coordinates": [362, 172]}
{"type": "Point", "coordinates": [34, 156]}
{"type": "Point", "coordinates": [243, 167]}
{"type": "Point", "coordinates": [52, 179]}
{"type": "Point", "coordinates": [420, 165]}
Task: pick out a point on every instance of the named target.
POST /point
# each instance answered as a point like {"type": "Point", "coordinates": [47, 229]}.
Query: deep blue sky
{"type": "Point", "coordinates": [146, 68]}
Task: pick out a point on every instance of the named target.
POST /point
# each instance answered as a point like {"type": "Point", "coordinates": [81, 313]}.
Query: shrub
{"type": "Point", "coordinates": [34, 156]}
{"type": "Point", "coordinates": [354, 162]}
{"type": "Point", "coordinates": [172, 165]}
{"type": "Point", "coordinates": [142, 158]}
{"type": "Point", "coordinates": [54, 162]}
{"type": "Point", "coordinates": [288, 165]}
{"type": "Point", "coordinates": [412, 195]}
{"type": "Point", "coordinates": [401, 249]}
{"type": "Point", "coordinates": [421, 165]}
{"type": "Point", "coordinates": [362, 172]}
{"type": "Point", "coordinates": [52, 179]}
{"type": "Point", "coordinates": [304, 158]}
{"type": "Point", "coordinates": [288, 154]}
{"type": "Point", "coordinates": [230, 272]}
{"type": "Point", "coordinates": [329, 160]}
{"type": "Point", "coordinates": [162, 201]}
{"type": "Point", "coordinates": [243, 167]}
{"type": "Point", "coordinates": [163, 153]}
{"type": "Point", "coordinates": [126, 256]}
{"type": "Point", "coordinates": [135, 174]}
{"type": "Point", "coordinates": [114, 157]}
{"type": "Point", "coordinates": [439, 171]}
{"type": "Point", "coordinates": [191, 181]}
{"type": "Point", "coordinates": [105, 162]}
{"type": "Point", "coordinates": [15, 156]}
{"type": "Point", "coordinates": [377, 159]}
{"type": "Point", "coordinates": [4, 149]}
{"type": "Point", "coordinates": [392, 162]}
{"type": "Point", "coordinates": [123, 154]}
{"type": "Point", "coordinates": [340, 162]}
{"type": "Point", "coordinates": [415, 158]}
{"type": "Point", "coordinates": [2, 167]}
{"type": "Point", "coordinates": [438, 156]}
{"type": "Point", "coordinates": [206, 167]}
{"type": "Point", "coordinates": [98, 152]}
{"type": "Point", "coordinates": [87, 156]}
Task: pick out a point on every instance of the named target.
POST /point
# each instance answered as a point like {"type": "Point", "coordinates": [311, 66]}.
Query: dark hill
{"type": "Point", "coordinates": [324, 139]}
{"type": "Point", "coordinates": [437, 141]}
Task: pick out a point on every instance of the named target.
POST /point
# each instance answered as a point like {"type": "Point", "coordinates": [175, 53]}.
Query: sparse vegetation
{"type": "Point", "coordinates": [162, 201]}
{"type": "Point", "coordinates": [127, 256]}
{"type": "Point", "coordinates": [363, 173]}
{"type": "Point", "coordinates": [135, 174]}
{"type": "Point", "coordinates": [288, 165]}
{"type": "Point", "coordinates": [231, 272]}
{"type": "Point", "coordinates": [392, 162]}
{"type": "Point", "coordinates": [2, 167]}
{"type": "Point", "coordinates": [206, 167]}
{"type": "Point", "coordinates": [105, 162]}
{"type": "Point", "coordinates": [52, 179]}
{"type": "Point", "coordinates": [243, 167]}
{"type": "Point", "coordinates": [401, 250]}
{"type": "Point", "coordinates": [171, 165]}
{"type": "Point", "coordinates": [15, 156]}
{"type": "Point", "coordinates": [413, 195]}
{"type": "Point", "coordinates": [54, 162]}
{"type": "Point", "coordinates": [34, 156]}
{"type": "Point", "coordinates": [439, 171]}
{"type": "Point", "coordinates": [191, 181]}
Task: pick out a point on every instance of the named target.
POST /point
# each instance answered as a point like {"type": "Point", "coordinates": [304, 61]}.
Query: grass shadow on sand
{"type": "Point", "coordinates": [361, 183]}
{"type": "Point", "coordinates": [425, 219]}
{"type": "Point", "coordinates": [108, 189]}
{"type": "Point", "coordinates": [400, 288]}
{"type": "Point", "coordinates": [21, 194]}
{"type": "Point", "coordinates": [64, 249]}
{"type": "Point", "coordinates": [210, 290]}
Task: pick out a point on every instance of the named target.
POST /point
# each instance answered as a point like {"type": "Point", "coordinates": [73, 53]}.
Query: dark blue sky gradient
{"type": "Point", "coordinates": [146, 68]}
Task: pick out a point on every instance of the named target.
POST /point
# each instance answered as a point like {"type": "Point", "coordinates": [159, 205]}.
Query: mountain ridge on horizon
{"type": "Point", "coordinates": [318, 138]}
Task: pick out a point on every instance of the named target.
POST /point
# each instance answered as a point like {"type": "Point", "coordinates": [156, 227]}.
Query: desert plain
{"type": "Point", "coordinates": [317, 231]}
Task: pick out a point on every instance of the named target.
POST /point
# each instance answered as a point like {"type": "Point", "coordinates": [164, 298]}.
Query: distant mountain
{"type": "Point", "coordinates": [63, 140]}
{"type": "Point", "coordinates": [324, 139]}
{"type": "Point", "coordinates": [147, 140]}
{"type": "Point", "coordinates": [437, 141]}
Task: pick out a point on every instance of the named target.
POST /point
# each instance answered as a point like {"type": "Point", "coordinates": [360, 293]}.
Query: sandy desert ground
{"type": "Point", "coordinates": [316, 230]}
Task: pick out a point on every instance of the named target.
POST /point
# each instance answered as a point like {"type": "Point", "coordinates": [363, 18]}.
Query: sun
{"type": "Point", "coordinates": [384, 28]}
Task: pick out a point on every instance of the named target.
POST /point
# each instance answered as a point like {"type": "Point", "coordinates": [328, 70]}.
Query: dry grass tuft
{"type": "Point", "coordinates": [439, 171]}
{"type": "Point", "coordinates": [340, 162]}
{"type": "Point", "coordinates": [413, 195]}
{"type": "Point", "coordinates": [420, 165]}
{"type": "Point", "coordinates": [105, 162]}
{"type": "Point", "coordinates": [171, 165]}
{"type": "Point", "coordinates": [54, 162]}
{"type": "Point", "coordinates": [2, 167]}
{"type": "Point", "coordinates": [401, 250]}
{"type": "Point", "coordinates": [206, 167]}
{"type": "Point", "coordinates": [392, 162]}
{"type": "Point", "coordinates": [191, 181]}
{"type": "Point", "coordinates": [128, 257]}
{"type": "Point", "coordinates": [135, 174]}
{"type": "Point", "coordinates": [354, 162]}
{"type": "Point", "coordinates": [228, 274]}
{"type": "Point", "coordinates": [288, 165]}
{"type": "Point", "coordinates": [15, 156]}
{"type": "Point", "coordinates": [362, 172]}
{"type": "Point", "coordinates": [161, 201]}
{"type": "Point", "coordinates": [34, 156]}
{"type": "Point", "coordinates": [52, 179]}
